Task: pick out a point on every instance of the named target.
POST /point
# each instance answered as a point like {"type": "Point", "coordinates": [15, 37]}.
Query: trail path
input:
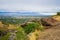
{"type": "Point", "coordinates": [50, 34]}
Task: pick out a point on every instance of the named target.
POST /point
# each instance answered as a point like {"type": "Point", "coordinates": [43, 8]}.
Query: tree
{"type": "Point", "coordinates": [58, 13]}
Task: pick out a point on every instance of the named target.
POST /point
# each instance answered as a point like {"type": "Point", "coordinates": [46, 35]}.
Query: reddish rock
{"type": "Point", "coordinates": [49, 22]}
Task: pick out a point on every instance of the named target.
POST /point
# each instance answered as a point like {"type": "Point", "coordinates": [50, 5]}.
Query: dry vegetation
{"type": "Point", "coordinates": [56, 18]}
{"type": "Point", "coordinates": [31, 30]}
{"type": "Point", "coordinates": [52, 33]}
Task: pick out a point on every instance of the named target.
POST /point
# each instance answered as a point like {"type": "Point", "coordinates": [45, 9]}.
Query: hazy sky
{"type": "Point", "coordinates": [30, 5]}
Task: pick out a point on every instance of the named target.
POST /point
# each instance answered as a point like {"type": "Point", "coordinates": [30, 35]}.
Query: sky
{"type": "Point", "coordinates": [51, 6]}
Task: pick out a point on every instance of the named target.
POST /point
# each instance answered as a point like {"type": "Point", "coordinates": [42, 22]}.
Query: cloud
{"type": "Point", "coordinates": [30, 5]}
{"type": "Point", "coordinates": [48, 13]}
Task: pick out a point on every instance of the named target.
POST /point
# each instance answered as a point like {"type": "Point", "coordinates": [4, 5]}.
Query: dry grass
{"type": "Point", "coordinates": [34, 35]}
{"type": "Point", "coordinates": [12, 27]}
{"type": "Point", "coordinates": [56, 18]}
{"type": "Point", "coordinates": [51, 33]}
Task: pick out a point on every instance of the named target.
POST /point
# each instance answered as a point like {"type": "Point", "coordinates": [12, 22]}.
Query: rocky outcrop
{"type": "Point", "coordinates": [49, 22]}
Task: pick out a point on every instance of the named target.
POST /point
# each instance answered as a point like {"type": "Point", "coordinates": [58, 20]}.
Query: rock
{"type": "Point", "coordinates": [13, 35]}
{"type": "Point", "coordinates": [49, 22]}
{"type": "Point", "coordinates": [23, 25]}
{"type": "Point", "coordinates": [2, 33]}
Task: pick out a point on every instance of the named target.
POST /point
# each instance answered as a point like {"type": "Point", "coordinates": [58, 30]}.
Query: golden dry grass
{"type": "Point", "coordinates": [12, 27]}
{"type": "Point", "coordinates": [33, 35]}
{"type": "Point", "coordinates": [56, 18]}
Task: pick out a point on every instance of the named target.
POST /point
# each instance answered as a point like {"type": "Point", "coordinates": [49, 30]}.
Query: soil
{"type": "Point", "coordinates": [50, 34]}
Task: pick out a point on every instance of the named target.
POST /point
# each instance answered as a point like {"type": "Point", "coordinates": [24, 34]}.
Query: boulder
{"type": "Point", "coordinates": [49, 22]}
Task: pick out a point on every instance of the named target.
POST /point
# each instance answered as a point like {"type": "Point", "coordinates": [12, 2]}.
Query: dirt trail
{"type": "Point", "coordinates": [50, 34]}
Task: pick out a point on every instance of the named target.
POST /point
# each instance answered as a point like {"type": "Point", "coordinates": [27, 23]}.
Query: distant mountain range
{"type": "Point", "coordinates": [22, 14]}
{"type": "Point", "coordinates": [4, 12]}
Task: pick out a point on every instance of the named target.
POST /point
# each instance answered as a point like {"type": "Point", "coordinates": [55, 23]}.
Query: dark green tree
{"type": "Point", "coordinates": [58, 13]}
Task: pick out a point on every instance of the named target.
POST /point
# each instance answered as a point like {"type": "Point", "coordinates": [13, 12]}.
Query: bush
{"type": "Point", "coordinates": [21, 35]}
{"type": "Point", "coordinates": [58, 13]}
{"type": "Point", "coordinates": [31, 27]}
{"type": "Point", "coordinates": [6, 37]}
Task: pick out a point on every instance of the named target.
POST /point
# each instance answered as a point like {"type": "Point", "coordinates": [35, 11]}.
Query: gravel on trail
{"type": "Point", "coordinates": [50, 34]}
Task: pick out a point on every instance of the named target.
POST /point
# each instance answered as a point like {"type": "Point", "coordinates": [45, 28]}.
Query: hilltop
{"type": "Point", "coordinates": [31, 28]}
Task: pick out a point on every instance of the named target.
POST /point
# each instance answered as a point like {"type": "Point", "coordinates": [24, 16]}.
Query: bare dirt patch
{"type": "Point", "coordinates": [50, 34]}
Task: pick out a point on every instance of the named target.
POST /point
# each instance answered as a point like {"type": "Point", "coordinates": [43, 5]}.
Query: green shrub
{"type": "Point", "coordinates": [58, 13]}
{"type": "Point", "coordinates": [6, 37]}
{"type": "Point", "coordinates": [31, 27]}
{"type": "Point", "coordinates": [21, 35]}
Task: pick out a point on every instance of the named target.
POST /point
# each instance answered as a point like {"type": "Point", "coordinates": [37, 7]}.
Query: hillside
{"type": "Point", "coordinates": [35, 29]}
{"type": "Point", "coordinates": [52, 33]}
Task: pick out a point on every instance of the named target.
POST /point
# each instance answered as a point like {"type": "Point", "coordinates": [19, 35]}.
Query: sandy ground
{"type": "Point", "coordinates": [50, 34]}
